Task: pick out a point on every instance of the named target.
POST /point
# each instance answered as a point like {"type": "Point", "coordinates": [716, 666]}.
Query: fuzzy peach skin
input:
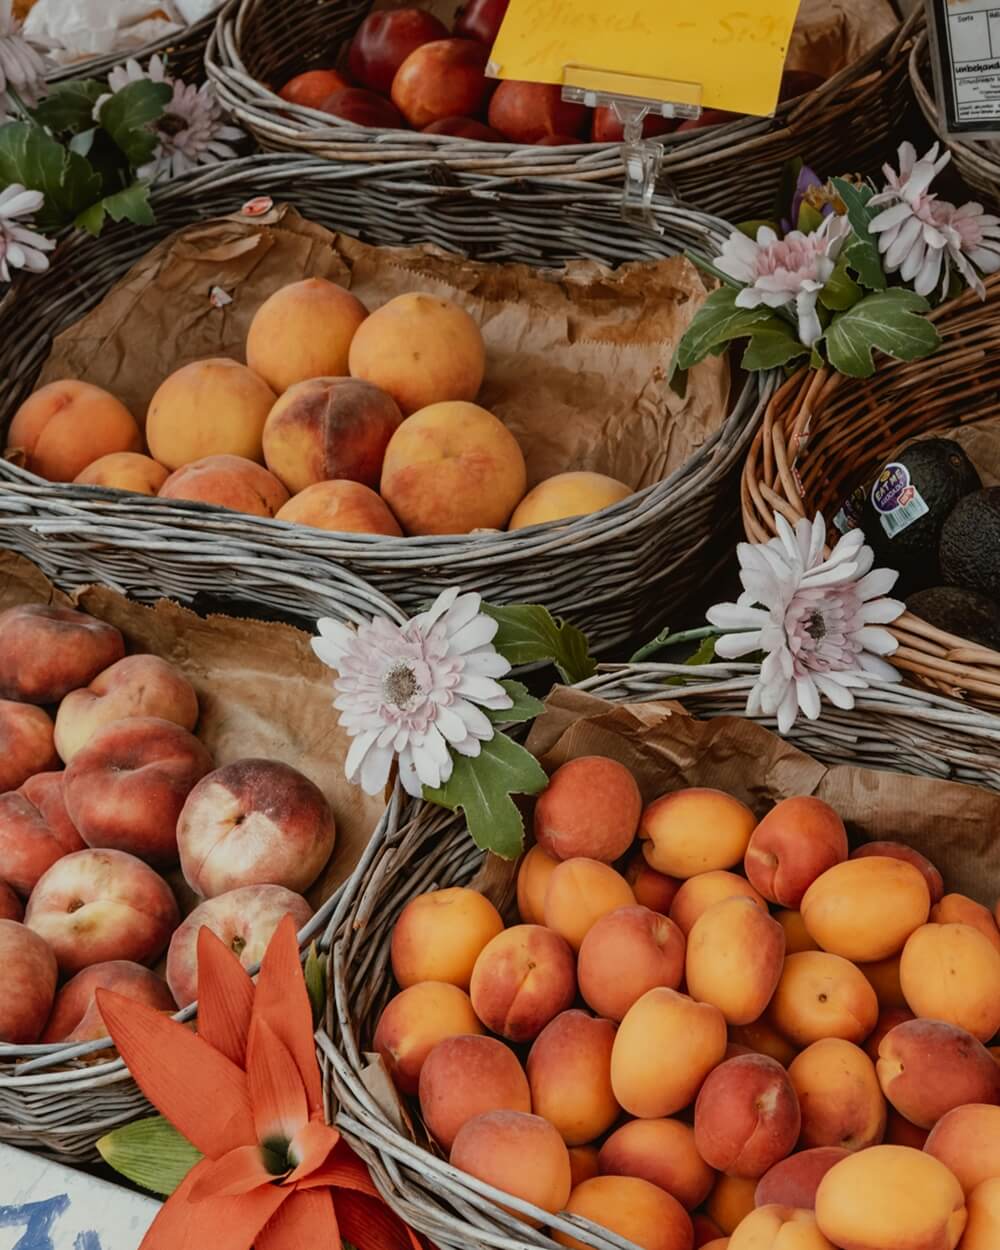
{"type": "Point", "coordinates": [888, 1018]}
{"type": "Point", "coordinates": [439, 935]}
{"type": "Point", "coordinates": [839, 1096]}
{"type": "Point", "coordinates": [665, 1047]}
{"type": "Point", "coordinates": [762, 1038]}
{"type": "Point", "coordinates": [735, 956]}
{"type": "Point", "coordinates": [244, 920]}
{"type": "Point", "coordinates": [652, 889]}
{"type": "Point", "coordinates": [415, 1021]}
{"type": "Point", "coordinates": [779, 1228]}
{"type": "Point", "coordinates": [94, 906]}
{"type": "Point", "coordinates": [591, 808]}
{"type": "Point", "coordinates": [695, 830]}
{"type": "Point", "coordinates": [519, 1153]}
{"type": "Point", "coordinates": [11, 907]}
{"type": "Point", "coordinates": [899, 850]}
{"type": "Point", "coordinates": [634, 1209]}
{"type": "Point", "coordinates": [342, 507]}
{"type": "Point", "coordinates": [697, 894]}
{"type": "Point", "coordinates": [303, 330]}
{"type": "Point", "coordinates": [891, 1198]}
{"type": "Point", "coordinates": [254, 822]}
{"type": "Point", "coordinates": [35, 831]}
{"type": "Point", "coordinates": [232, 482]}
{"type": "Point", "coordinates": [927, 1068]}
{"type": "Point", "coordinates": [797, 841]}
{"type": "Point", "coordinates": [662, 1152]}
{"type": "Point", "coordinates": [865, 909]}
{"type": "Point", "coordinates": [138, 685]}
{"type": "Point", "coordinates": [982, 1232]}
{"type": "Point", "coordinates": [951, 972]}
{"type": "Point", "coordinates": [27, 746]}
{"type": "Point", "coordinates": [28, 975]}
{"type": "Point", "coordinates": [522, 979]}
{"type": "Point", "coordinates": [821, 995]}
{"type": "Point", "coordinates": [75, 1014]}
{"type": "Point", "coordinates": [569, 1072]}
{"type": "Point", "coordinates": [126, 788]}
{"type": "Point", "coordinates": [45, 652]}
{"type": "Point", "coordinates": [900, 1132]}
{"type": "Point", "coordinates": [579, 893]}
{"type": "Point", "coordinates": [125, 470]}
{"type": "Point", "coordinates": [796, 934]}
{"type": "Point", "coordinates": [793, 1182]}
{"type": "Point", "coordinates": [568, 495]}
{"type": "Point", "coordinates": [67, 425]}
{"type": "Point", "coordinates": [731, 1201]}
{"type": "Point", "coordinates": [532, 881]}
{"type": "Point", "coordinates": [957, 909]}
{"type": "Point", "coordinates": [452, 468]}
{"type": "Point", "coordinates": [707, 1233]}
{"type": "Point", "coordinates": [967, 1141]}
{"type": "Point", "coordinates": [463, 1077]}
{"type": "Point", "coordinates": [627, 952]}
{"type": "Point", "coordinates": [746, 1116]}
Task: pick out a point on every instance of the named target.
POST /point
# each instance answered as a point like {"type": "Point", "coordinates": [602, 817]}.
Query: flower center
{"type": "Point", "coordinates": [400, 686]}
{"type": "Point", "coordinates": [815, 626]}
{"type": "Point", "coordinates": [171, 124]}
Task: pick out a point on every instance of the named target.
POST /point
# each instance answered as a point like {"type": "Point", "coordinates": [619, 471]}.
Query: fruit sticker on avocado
{"type": "Point", "coordinates": [849, 515]}
{"type": "Point", "coordinates": [896, 500]}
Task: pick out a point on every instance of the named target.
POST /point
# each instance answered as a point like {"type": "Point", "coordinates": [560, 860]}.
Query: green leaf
{"type": "Point", "coordinates": [841, 292]}
{"type": "Point", "coordinates": [526, 706]}
{"type": "Point", "coordinates": [126, 116]}
{"type": "Point", "coordinates": [482, 787]}
{"type": "Point", "coordinates": [529, 633]}
{"type": "Point", "coordinates": [888, 320]}
{"type": "Point", "coordinates": [772, 343]}
{"type": "Point", "coordinates": [750, 228]}
{"type": "Point", "coordinates": [862, 251]}
{"type": "Point", "coordinates": [315, 977]}
{"type": "Point", "coordinates": [716, 323]}
{"type": "Point", "coordinates": [82, 143]}
{"type": "Point", "coordinates": [810, 218]}
{"type": "Point", "coordinates": [29, 155]}
{"type": "Point", "coordinates": [132, 203]}
{"type": "Point", "coordinates": [705, 653]}
{"type": "Point", "coordinates": [151, 1153]}
{"type": "Point", "coordinates": [70, 105]}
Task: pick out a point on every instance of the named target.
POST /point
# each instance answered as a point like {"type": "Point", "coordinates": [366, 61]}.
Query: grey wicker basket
{"type": "Point", "coordinates": [734, 169]}
{"type": "Point", "coordinates": [616, 574]}
{"type": "Point", "coordinates": [184, 53]}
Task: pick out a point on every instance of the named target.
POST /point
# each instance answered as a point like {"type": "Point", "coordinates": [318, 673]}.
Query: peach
{"type": "Point", "coordinates": [35, 831]}
{"type": "Point", "coordinates": [254, 822]}
{"type": "Point", "coordinates": [707, 1233]}
{"type": "Point", "coordinates": [665, 1047]}
{"type": "Point", "coordinates": [383, 41]}
{"type": "Point", "coordinates": [957, 909]}
{"type": "Point", "coordinates": [11, 907]}
{"type": "Point", "coordinates": [697, 894]}
{"type": "Point", "coordinates": [415, 1021]}
{"type": "Point", "coordinates": [76, 1016]}
{"type": "Point", "coordinates": [735, 956]}
{"type": "Point", "coordinates": [523, 978]}
{"type": "Point", "coordinates": [444, 78]}
{"type": "Point", "coordinates": [582, 1164]}
{"type": "Point", "coordinates": [730, 1201]}
{"type": "Point", "coordinates": [796, 934]}
{"type": "Point", "coordinates": [899, 850]}
{"type": "Point", "coordinates": [696, 830]}
{"type": "Point", "coordinates": [138, 685]}
{"type": "Point", "coordinates": [313, 87]}
{"type": "Point", "coordinates": [591, 808]}
{"type": "Point", "coordinates": [793, 1182]}
{"type": "Point", "coordinates": [125, 789]}
{"type": "Point", "coordinates": [888, 1018]}
{"type": "Point", "coordinates": [438, 936]}
{"type": "Point", "coordinates": [796, 842]}
{"type": "Point", "coordinates": [565, 496]}
{"type": "Point", "coordinates": [569, 1072]}
{"type": "Point", "coordinates": [45, 652]}
{"type": "Point", "coordinates": [746, 1116]}
{"type": "Point", "coordinates": [839, 1096]}
{"type": "Point", "coordinates": [363, 108]}
{"type": "Point", "coordinates": [225, 481]}
{"type": "Point", "coordinates": [95, 906]}
{"type": "Point", "coordinates": [626, 953]}
{"type": "Point", "coordinates": [521, 1154]}
{"type": "Point", "coordinates": [344, 507]}
{"type": "Point", "coordinates": [452, 468]}
{"type": "Point", "coordinates": [27, 746]}
{"type": "Point", "coordinates": [244, 920]}
{"type": "Point", "coordinates": [927, 1067]}
{"type": "Point", "coordinates": [526, 112]}
{"type": "Point", "coordinates": [633, 1209]}
{"type": "Point", "coordinates": [532, 882]}
{"type": "Point", "coordinates": [580, 892]}
{"type": "Point", "coordinates": [464, 1077]}
{"type": "Point", "coordinates": [65, 426]}
{"type": "Point", "coordinates": [662, 1152]}
{"type": "Point", "coordinates": [28, 976]}
{"type": "Point", "coordinates": [652, 889]}
{"type": "Point", "coordinates": [967, 1141]}
{"type": "Point", "coordinates": [821, 995]}
{"type": "Point", "coordinates": [303, 330]}
{"type": "Point", "coordinates": [718, 1243]}
{"type": "Point", "coordinates": [760, 1038]}
{"type": "Point", "coordinates": [890, 1197]}
{"type": "Point", "coordinates": [125, 470]}
{"type": "Point", "coordinates": [982, 1231]}
{"type": "Point", "coordinates": [883, 977]}
{"type": "Point", "coordinates": [422, 350]}
{"type": "Point", "coordinates": [239, 401]}
{"type": "Point", "coordinates": [865, 909]}
{"type": "Point", "coordinates": [779, 1228]}
{"type": "Point", "coordinates": [900, 1132]}
{"type": "Point", "coordinates": [951, 972]}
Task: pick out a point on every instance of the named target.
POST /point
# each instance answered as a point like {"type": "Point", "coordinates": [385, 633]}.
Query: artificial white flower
{"type": "Point", "coordinates": [818, 619]}
{"type": "Point", "coordinates": [972, 238]}
{"type": "Point", "coordinates": [21, 248]}
{"type": "Point", "coordinates": [909, 238]}
{"type": "Point", "coordinates": [21, 67]}
{"type": "Point", "coordinates": [776, 272]}
{"type": "Point", "coordinates": [411, 692]}
{"type": "Point", "coordinates": [192, 132]}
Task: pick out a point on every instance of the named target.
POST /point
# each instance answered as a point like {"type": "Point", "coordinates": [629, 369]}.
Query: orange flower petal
{"type": "Point", "coordinates": [343, 1170]}
{"type": "Point", "coordinates": [238, 1172]}
{"type": "Point", "coordinates": [203, 1095]}
{"type": "Point", "coordinates": [220, 1223]}
{"type": "Point", "coordinates": [225, 998]}
{"type": "Point", "coordinates": [279, 1104]}
{"type": "Point", "coordinates": [282, 1000]}
{"type": "Point", "coordinates": [311, 1146]}
{"type": "Point", "coordinates": [307, 1221]}
{"type": "Point", "coordinates": [369, 1223]}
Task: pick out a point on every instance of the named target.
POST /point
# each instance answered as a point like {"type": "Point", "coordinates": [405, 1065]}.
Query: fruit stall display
{"type": "Point", "coordinates": [378, 90]}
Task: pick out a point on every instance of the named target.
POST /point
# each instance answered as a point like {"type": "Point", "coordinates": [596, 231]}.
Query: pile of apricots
{"type": "Point", "coordinates": [733, 1034]}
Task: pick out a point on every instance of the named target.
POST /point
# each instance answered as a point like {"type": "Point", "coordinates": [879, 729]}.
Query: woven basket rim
{"type": "Point", "coordinates": [105, 61]}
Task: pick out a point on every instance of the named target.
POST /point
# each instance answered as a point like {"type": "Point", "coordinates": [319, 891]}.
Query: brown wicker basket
{"type": "Point", "coordinates": [184, 53]}
{"type": "Point", "coordinates": [734, 169]}
{"type": "Point", "coordinates": [825, 434]}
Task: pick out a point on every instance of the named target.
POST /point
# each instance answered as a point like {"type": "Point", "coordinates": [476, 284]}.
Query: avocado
{"type": "Point", "coordinates": [970, 543]}
{"type": "Point", "coordinates": [958, 611]}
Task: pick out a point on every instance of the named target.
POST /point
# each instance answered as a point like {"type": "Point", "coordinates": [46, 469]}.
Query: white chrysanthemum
{"type": "Point", "coordinates": [910, 240]}
{"type": "Point", "coordinates": [818, 620]}
{"type": "Point", "coordinates": [21, 67]}
{"type": "Point", "coordinates": [21, 248]}
{"type": "Point", "coordinates": [192, 132]}
{"type": "Point", "coordinates": [411, 692]}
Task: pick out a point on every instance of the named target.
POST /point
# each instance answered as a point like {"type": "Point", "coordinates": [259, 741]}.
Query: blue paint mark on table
{"type": "Point", "coordinates": [38, 1220]}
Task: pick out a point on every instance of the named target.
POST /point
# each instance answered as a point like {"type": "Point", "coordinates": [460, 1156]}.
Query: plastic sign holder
{"type": "Point", "coordinates": [965, 59]}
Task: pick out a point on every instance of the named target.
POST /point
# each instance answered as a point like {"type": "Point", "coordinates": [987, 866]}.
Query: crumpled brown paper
{"type": "Point", "coordinates": [577, 360]}
{"type": "Point", "coordinates": [829, 35]}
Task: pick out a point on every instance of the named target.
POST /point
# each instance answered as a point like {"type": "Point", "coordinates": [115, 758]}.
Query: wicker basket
{"type": "Point", "coordinates": [184, 52]}
{"type": "Point", "coordinates": [825, 434]}
{"type": "Point", "coordinates": [734, 169]}
{"type": "Point", "coordinates": [891, 728]}
{"type": "Point", "coordinates": [616, 574]}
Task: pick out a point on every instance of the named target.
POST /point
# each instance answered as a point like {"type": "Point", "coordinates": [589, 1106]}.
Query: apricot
{"type": "Point", "coordinates": [821, 995]}
{"type": "Point", "coordinates": [779, 1228]}
{"type": "Point", "coordinates": [883, 977]}
{"type": "Point", "coordinates": [967, 1141]}
{"type": "Point", "coordinates": [582, 1164]}
{"type": "Point", "coordinates": [735, 956]}
{"type": "Point", "coordinates": [302, 331]}
{"type": "Point", "coordinates": [796, 842]}
{"type": "Point", "coordinates": [344, 507]}
{"type": "Point", "coordinates": [532, 882]}
{"type": "Point", "coordinates": [927, 1067]}
{"type": "Point", "coordinates": [662, 1152]}
{"type": "Point", "coordinates": [565, 496]}
{"type": "Point", "coordinates": [796, 934]}
{"type": "Point", "coordinates": [65, 426]}
{"type": "Point", "coordinates": [652, 889]}
{"type": "Point", "coordinates": [793, 1182]}
{"type": "Point", "coordinates": [697, 894]}
{"type": "Point", "coordinates": [890, 1198]}
{"type": "Point", "coordinates": [440, 935]}
{"type": "Point", "coordinates": [227, 482]}
{"type": "Point", "coordinates": [626, 953]}
{"type": "Point", "coordinates": [695, 830]}
{"type": "Point", "coordinates": [463, 1077]}
{"type": "Point", "coordinates": [746, 1117]}
{"type": "Point", "coordinates": [982, 1231]}
{"type": "Point", "coordinates": [888, 1018]}
{"type": "Point", "coordinates": [730, 1201]}
{"type": "Point", "coordinates": [665, 1047]}
{"type": "Point", "coordinates": [865, 909]}
{"type": "Point", "coordinates": [519, 1153]}
{"type": "Point", "coordinates": [635, 1210]}
{"type": "Point", "coordinates": [900, 1132]}
{"type": "Point", "coordinates": [591, 808]}
{"type": "Point", "coordinates": [415, 1021]}
{"type": "Point", "coordinates": [899, 850]}
{"type": "Point", "coordinates": [580, 892]}
{"type": "Point", "coordinates": [951, 972]}
{"type": "Point", "coordinates": [957, 909]}
{"type": "Point", "coordinates": [569, 1072]}
{"type": "Point", "coordinates": [761, 1039]}
{"type": "Point", "coordinates": [839, 1096]}
{"type": "Point", "coordinates": [125, 470]}
{"type": "Point", "coordinates": [523, 978]}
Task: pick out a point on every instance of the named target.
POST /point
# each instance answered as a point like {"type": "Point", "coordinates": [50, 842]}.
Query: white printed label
{"type": "Point", "coordinates": [973, 32]}
{"type": "Point", "coordinates": [905, 514]}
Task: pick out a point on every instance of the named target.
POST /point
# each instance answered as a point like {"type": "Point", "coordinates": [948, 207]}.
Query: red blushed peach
{"type": "Point", "coordinates": [899, 850]}
{"type": "Point", "coordinates": [865, 909]}
{"type": "Point", "coordinates": [383, 41]}
{"type": "Point", "coordinates": [746, 1117]}
{"type": "Point", "coordinates": [797, 841]}
{"type": "Point", "coordinates": [76, 1016]}
{"type": "Point", "coordinates": [26, 744]}
{"type": "Point", "coordinates": [640, 1213]}
{"type": "Point", "coordinates": [694, 831]}
{"type": "Point", "coordinates": [775, 1227]}
{"type": "Point", "coordinates": [523, 979]}
{"type": "Point", "coordinates": [590, 809]}
{"type": "Point", "coordinates": [303, 331]}
{"type": "Point", "coordinates": [626, 953]}
{"type": "Point", "coordinates": [95, 906]}
{"type": "Point", "coordinates": [735, 956]}
{"type": "Point", "coordinates": [698, 894]}
{"type": "Point", "coordinates": [244, 920]}
{"type": "Point", "coordinates": [900, 1132]}
{"type": "Point", "coordinates": [532, 882]}
{"type": "Point", "coordinates": [464, 1077]}
{"type": "Point", "coordinates": [126, 788]}
{"type": "Point", "coordinates": [839, 1096]}
{"type": "Point", "coordinates": [45, 652]}
{"type": "Point", "coordinates": [967, 1141]}
{"type": "Point", "coordinates": [927, 1067]}
{"type": "Point", "coordinates": [821, 995]}
{"type": "Point", "coordinates": [569, 1072]}
{"type": "Point", "coordinates": [793, 1181]}
{"type": "Point", "coordinates": [254, 822]}
{"type": "Point", "coordinates": [652, 889]}
{"type": "Point", "coordinates": [342, 507]}
{"type": "Point", "coordinates": [957, 909]}
{"type": "Point", "coordinates": [35, 831]}
{"type": "Point", "coordinates": [519, 1153]}
{"type": "Point", "coordinates": [527, 112]}
{"type": "Point", "coordinates": [440, 935]}
{"type": "Point", "coordinates": [28, 976]}
{"type": "Point", "coordinates": [313, 87]}
{"type": "Point", "coordinates": [415, 1021]}
{"type": "Point", "coordinates": [579, 893]}
{"type": "Point", "coordinates": [662, 1152]}
{"type": "Point", "coordinates": [231, 482]}
{"type": "Point", "coordinates": [67, 425]}
{"type": "Point", "coordinates": [951, 972]}
{"type": "Point", "coordinates": [888, 1018]}
{"type": "Point", "coordinates": [707, 1233]}
{"type": "Point", "coordinates": [441, 79]}
{"type": "Point", "coordinates": [139, 685]}
{"type": "Point", "coordinates": [11, 907]}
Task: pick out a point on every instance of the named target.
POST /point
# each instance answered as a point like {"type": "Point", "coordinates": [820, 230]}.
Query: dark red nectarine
{"type": "Point", "coordinates": [383, 42]}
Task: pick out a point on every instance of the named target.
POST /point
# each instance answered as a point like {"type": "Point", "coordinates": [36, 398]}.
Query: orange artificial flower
{"type": "Point", "coordinates": [246, 1091]}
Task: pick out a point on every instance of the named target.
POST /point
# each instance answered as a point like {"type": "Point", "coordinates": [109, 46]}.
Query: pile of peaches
{"type": "Point", "coordinates": [365, 423]}
{"type": "Point", "coordinates": [732, 1035]}
{"type": "Point", "coordinates": [103, 789]}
